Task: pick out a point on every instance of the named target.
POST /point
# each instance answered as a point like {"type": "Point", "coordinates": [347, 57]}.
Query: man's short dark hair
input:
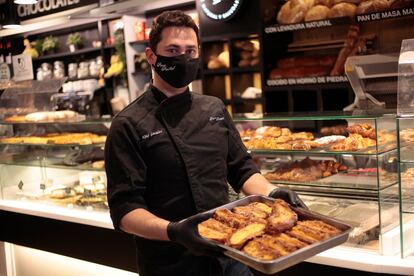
{"type": "Point", "coordinates": [169, 19]}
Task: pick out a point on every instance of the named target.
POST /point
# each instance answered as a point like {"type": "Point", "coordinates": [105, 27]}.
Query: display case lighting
{"type": "Point", "coordinates": [25, 2]}
{"type": "Point", "coordinates": [12, 26]}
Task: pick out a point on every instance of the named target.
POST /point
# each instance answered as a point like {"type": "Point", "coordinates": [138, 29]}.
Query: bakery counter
{"type": "Point", "coordinates": [92, 218]}
{"type": "Point", "coordinates": [346, 257]}
{"type": "Point", "coordinates": [94, 228]}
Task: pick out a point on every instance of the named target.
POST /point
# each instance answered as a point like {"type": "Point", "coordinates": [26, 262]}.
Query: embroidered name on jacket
{"type": "Point", "coordinates": [216, 119]}
{"type": "Point", "coordinates": [154, 133]}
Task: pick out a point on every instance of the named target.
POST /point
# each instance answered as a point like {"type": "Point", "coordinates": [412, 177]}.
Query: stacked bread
{"type": "Point", "coordinates": [296, 11]}
{"type": "Point", "coordinates": [248, 53]}
{"type": "Point", "coordinates": [297, 67]}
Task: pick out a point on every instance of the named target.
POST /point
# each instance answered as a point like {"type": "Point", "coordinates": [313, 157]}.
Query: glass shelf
{"type": "Point", "coordinates": [54, 145]}
{"type": "Point", "coordinates": [369, 151]}
{"type": "Point", "coordinates": [55, 163]}
{"type": "Point", "coordinates": [320, 116]}
{"type": "Point", "coordinates": [358, 183]}
{"type": "Point", "coordinates": [73, 122]}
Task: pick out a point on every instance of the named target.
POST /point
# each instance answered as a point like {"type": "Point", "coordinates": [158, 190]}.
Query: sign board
{"type": "Point", "coordinates": [22, 67]}
{"type": "Point", "coordinates": [220, 10]}
{"type": "Point", "coordinates": [45, 7]}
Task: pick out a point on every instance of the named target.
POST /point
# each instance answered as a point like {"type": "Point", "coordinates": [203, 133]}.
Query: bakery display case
{"type": "Point", "coordinates": [345, 165]}
{"type": "Point", "coordinates": [406, 175]}
{"type": "Point", "coordinates": [50, 157]}
{"type": "Point", "coordinates": [405, 124]}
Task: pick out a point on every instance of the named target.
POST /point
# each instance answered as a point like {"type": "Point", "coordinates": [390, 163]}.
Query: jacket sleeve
{"type": "Point", "coordinates": [240, 164]}
{"type": "Point", "coordinates": [125, 170]}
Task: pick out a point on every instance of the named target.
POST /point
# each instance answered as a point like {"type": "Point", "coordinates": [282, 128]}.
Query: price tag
{"type": "Point", "coordinates": [20, 185]}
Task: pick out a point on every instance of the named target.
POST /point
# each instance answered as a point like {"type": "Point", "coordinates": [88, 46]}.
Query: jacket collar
{"type": "Point", "coordinates": [160, 97]}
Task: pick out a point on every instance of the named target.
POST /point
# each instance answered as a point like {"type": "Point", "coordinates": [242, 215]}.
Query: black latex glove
{"type": "Point", "coordinates": [289, 196]}
{"type": "Point", "coordinates": [186, 233]}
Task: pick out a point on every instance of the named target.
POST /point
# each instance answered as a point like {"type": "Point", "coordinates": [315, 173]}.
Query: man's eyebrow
{"type": "Point", "coordinates": [178, 46]}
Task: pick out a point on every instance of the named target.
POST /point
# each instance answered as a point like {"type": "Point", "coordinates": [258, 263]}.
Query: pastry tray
{"type": "Point", "coordinates": [281, 263]}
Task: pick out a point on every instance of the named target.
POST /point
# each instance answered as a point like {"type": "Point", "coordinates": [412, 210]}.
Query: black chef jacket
{"type": "Point", "coordinates": [173, 157]}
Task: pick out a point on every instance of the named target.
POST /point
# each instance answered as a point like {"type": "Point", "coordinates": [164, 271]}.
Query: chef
{"type": "Point", "coordinates": [170, 155]}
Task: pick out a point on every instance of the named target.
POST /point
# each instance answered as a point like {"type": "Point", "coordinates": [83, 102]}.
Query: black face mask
{"type": "Point", "coordinates": [177, 71]}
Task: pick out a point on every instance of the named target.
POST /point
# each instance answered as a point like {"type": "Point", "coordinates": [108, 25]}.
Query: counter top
{"type": "Point", "coordinates": [340, 256]}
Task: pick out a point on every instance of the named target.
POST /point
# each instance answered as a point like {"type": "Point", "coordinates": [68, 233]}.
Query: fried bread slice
{"type": "Point", "coordinates": [282, 217]}
{"type": "Point", "coordinates": [258, 250]}
{"type": "Point", "coordinates": [242, 235]}
{"type": "Point", "coordinates": [230, 219]}
{"type": "Point", "coordinates": [215, 230]}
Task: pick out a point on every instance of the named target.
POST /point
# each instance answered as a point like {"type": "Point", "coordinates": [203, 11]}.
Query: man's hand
{"type": "Point", "coordinates": [186, 233]}
{"type": "Point", "coordinates": [289, 196]}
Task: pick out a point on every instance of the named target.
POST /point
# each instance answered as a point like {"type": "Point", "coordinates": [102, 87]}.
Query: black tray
{"type": "Point", "coordinates": [281, 263]}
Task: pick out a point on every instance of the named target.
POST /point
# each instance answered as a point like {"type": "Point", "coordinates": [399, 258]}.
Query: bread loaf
{"type": "Point", "coordinates": [327, 3]}
{"type": "Point", "coordinates": [292, 62]}
{"type": "Point", "coordinates": [244, 63]}
{"type": "Point", "coordinates": [356, 2]}
{"type": "Point", "coordinates": [294, 11]}
{"type": "Point", "coordinates": [327, 60]}
{"type": "Point", "coordinates": [372, 6]}
{"type": "Point", "coordinates": [342, 10]}
{"type": "Point", "coordinates": [318, 12]}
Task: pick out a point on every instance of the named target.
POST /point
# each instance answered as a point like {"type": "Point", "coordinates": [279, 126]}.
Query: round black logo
{"type": "Point", "coordinates": [220, 10]}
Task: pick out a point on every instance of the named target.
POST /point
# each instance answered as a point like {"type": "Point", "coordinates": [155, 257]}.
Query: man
{"type": "Point", "coordinates": [169, 155]}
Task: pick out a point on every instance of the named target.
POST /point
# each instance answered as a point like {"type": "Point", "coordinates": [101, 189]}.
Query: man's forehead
{"type": "Point", "coordinates": [178, 33]}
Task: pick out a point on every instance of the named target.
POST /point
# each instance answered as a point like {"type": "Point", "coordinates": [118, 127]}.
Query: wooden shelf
{"type": "Point", "coordinates": [220, 71]}
{"type": "Point", "coordinates": [66, 54]}
{"type": "Point", "coordinates": [240, 100]}
{"type": "Point", "coordinates": [250, 69]}
{"type": "Point", "coordinates": [360, 18]}
{"type": "Point", "coordinates": [84, 78]}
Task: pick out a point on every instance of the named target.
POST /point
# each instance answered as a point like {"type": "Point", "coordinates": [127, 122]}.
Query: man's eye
{"type": "Point", "coordinates": [172, 51]}
{"type": "Point", "coordinates": [191, 52]}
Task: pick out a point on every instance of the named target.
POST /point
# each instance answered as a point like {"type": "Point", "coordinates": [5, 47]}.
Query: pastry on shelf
{"type": "Point", "coordinates": [407, 135]}
{"type": "Point", "coordinates": [15, 119]}
{"type": "Point", "coordinates": [306, 66]}
{"type": "Point", "coordinates": [52, 116]}
{"type": "Point", "coordinates": [56, 138]}
{"type": "Point", "coordinates": [343, 9]}
{"type": "Point", "coordinates": [318, 12]}
{"type": "Point", "coordinates": [334, 130]}
{"type": "Point", "coordinates": [220, 61]}
{"type": "Point", "coordinates": [276, 138]}
{"type": "Point", "coordinates": [353, 142]}
{"type": "Point", "coordinates": [294, 11]}
{"type": "Point", "coordinates": [248, 51]}
{"type": "Point", "coordinates": [372, 6]}
{"type": "Point", "coordinates": [306, 170]}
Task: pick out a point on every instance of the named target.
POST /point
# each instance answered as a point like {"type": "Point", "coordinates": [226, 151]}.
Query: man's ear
{"type": "Point", "coordinates": [151, 57]}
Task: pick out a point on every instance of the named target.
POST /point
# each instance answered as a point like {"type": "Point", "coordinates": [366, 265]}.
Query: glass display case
{"type": "Point", "coordinates": [406, 175]}
{"type": "Point", "coordinates": [50, 157]}
{"type": "Point", "coordinates": [344, 165]}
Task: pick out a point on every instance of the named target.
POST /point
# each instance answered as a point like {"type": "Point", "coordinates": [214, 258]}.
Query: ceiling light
{"type": "Point", "coordinates": [25, 2]}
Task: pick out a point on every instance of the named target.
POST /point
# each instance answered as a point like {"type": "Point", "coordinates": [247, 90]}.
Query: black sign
{"type": "Point", "coordinates": [220, 10]}
{"type": "Point", "coordinates": [45, 7]}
